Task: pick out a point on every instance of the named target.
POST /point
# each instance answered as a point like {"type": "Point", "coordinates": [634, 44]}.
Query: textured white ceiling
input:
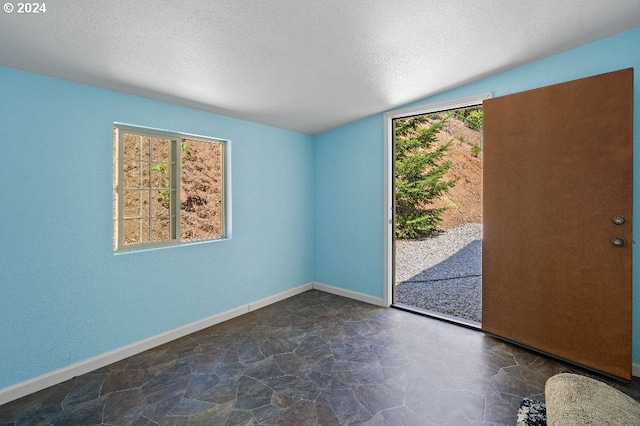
{"type": "Point", "coordinates": [304, 65]}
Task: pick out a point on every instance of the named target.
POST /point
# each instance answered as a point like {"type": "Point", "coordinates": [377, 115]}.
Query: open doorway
{"type": "Point", "coordinates": [437, 212]}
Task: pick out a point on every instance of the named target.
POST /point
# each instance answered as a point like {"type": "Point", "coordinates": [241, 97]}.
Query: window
{"type": "Point", "coordinates": [168, 188]}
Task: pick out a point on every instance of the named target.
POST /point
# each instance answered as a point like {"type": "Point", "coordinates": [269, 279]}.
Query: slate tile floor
{"type": "Point", "coordinates": [315, 358]}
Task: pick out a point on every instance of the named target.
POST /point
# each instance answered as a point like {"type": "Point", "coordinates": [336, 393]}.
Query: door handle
{"type": "Point", "coordinates": [618, 242]}
{"type": "Point", "coordinates": [618, 220]}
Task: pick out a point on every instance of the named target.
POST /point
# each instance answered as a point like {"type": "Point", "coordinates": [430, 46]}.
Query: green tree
{"type": "Point", "coordinates": [419, 175]}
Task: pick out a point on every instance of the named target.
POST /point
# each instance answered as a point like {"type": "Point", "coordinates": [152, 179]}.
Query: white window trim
{"type": "Point", "coordinates": [389, 116]}
{"type": "Point", "coordinates": [174, 177]}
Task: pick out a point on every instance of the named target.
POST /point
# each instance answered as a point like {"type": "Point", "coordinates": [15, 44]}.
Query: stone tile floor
{"type": "Point", "coordinates": [313, 359]}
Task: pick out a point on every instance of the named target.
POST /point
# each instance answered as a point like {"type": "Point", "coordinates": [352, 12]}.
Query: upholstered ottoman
{"type": "Point", "coordinates": [572, 399]}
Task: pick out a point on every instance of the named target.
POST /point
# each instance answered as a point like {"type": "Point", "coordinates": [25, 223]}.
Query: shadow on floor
{"type": "Point", "coordinates": [452, 287]}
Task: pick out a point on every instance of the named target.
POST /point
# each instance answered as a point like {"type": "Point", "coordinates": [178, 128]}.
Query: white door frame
{"type": "Point", "coordinates": [389, 116]}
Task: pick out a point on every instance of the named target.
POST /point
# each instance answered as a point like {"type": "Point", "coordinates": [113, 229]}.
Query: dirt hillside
{"type": "Point", "coordinates": [464, 200]}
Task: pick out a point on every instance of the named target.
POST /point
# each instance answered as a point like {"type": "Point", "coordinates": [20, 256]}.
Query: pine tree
{"type": "Point", "coordinates": [419, 175]}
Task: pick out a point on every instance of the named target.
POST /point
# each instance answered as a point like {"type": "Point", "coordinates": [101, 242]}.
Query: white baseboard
{"type": "Point", "coordinates": [635, 370]}
{"type": "Point", "coordinates": [280, 296]}
{"type": "Point", "coordinates": [58, 376]}
{"type": "Point", "coordinates": [378, 301]}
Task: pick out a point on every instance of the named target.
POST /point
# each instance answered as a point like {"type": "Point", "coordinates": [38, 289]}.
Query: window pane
{"type": "Point", "coordinates": [131, 175]}
{"type": "Point", "coordinates": [160, 230]}
{"type": "Point", "coordinates": [131, 146]}
{"type": "Point", "coordinates": [131, 231]}
{"type": "Point", "coordinates": [160, 175]}
{"type": "Point", "coordinates": [131, 204]}
{"type": "Point", "coordinates": [160, 202]}
{"type": "Point", "coordinates": [160, 150]}
{"type": "Point", "coordinates": [201, 215]}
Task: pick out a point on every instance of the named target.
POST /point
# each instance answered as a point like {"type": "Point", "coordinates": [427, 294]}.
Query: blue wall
{"type": "Point", "coordinates": [349, 168]}
{"type": "Point", "coordinates": [348, 209]}
{"type": "Point", "coordinates": [64, 295]}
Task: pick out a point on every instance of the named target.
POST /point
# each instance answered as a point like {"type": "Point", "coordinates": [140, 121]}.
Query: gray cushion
{"type": "Point", "coordinates": [572, 399]}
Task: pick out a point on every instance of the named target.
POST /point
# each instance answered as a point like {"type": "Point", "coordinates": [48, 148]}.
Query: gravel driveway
{"type": "Point", "coordinates": [442, 273]}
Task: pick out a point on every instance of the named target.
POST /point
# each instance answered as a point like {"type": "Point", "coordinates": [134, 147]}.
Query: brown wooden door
{"type": "Point", "coordinates": [557, 170]}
